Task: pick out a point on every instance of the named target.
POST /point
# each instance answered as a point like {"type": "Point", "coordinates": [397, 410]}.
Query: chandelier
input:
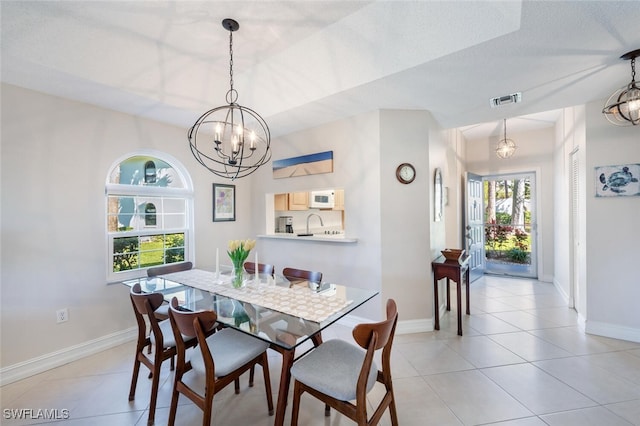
{"type": "Point", "coordinates": [231, 141]}
{"type": "Point", "coordinates": [623, 107]}
{"type": "Point", "coordinates": [506, 147]}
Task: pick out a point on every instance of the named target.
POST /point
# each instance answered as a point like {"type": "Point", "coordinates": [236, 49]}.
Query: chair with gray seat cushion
{"type": "Point", "coordinates": [157, 336]}
{"type": "Point", "coordinates": [338, 372]}
{"type": "Point", "coordinates": [219, 359]}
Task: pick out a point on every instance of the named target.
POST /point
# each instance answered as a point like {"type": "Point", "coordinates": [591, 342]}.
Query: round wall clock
{"type": "Point", "coordinates": [405, 173]}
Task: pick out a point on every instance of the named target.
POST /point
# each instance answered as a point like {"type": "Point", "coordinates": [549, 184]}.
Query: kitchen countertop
{"type": "Point", "coordinates": [319, 237]}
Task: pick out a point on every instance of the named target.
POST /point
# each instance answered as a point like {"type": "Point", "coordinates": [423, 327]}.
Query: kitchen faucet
{"type": "Point", "coordinates": [309, 217]}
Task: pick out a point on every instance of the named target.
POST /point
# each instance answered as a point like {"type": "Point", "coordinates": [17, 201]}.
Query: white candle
{"type": "Point", "coordinates": [257, 277]}
{"type": "Point", "coordinates": [217, 263]}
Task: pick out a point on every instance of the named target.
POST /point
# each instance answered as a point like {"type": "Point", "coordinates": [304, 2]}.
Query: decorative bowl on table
{"type": "Point", "coordinates": [452, 254]}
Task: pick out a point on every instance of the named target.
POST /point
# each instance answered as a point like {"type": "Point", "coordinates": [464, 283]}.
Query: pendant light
{"type": "Point", "coordinates": [623, 107]}
{"type": "Point", "coordinates": [231, 141]}
{"type": "Point", "coordinates": [506, 147]}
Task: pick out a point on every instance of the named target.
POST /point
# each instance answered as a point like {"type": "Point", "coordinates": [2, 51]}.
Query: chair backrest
{"type": "Point", "coordinates": [293, 274]}
{"type": "Point", "coordinates": [144, 305]}
{"type": "Point", "coordinates": [263, 268]}
{"type": "Point", "coordinates": [187, 324]}
{"type": "Point", "coordinates": [167, 269]}
{"type": "Point", "coordinates": [383, 331]}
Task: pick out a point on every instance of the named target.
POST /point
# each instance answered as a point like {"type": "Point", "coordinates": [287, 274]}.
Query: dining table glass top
{"type": "Point", "coordinates": [282, 312]}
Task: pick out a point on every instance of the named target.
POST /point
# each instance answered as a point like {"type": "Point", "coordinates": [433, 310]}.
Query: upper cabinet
{"type": "Point", "coordinates": [291, 201]}
{"type": "Point", "coordinates": [298, 201]}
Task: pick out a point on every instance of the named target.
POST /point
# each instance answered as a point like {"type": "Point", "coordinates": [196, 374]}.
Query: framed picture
{"type": "Point", "coordinates": [312, 164]}
{"type": "Point", "coordinates": [224, 202]}
{"type": "Point", "coordinates": [617, 181]}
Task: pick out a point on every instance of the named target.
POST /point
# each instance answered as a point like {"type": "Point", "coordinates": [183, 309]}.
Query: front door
{"type": "Point", "coordinates": [474, 225]}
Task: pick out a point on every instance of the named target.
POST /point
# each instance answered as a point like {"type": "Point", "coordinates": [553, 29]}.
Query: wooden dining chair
{"type": "Point", "coordinates": [162, 313]}
{"type": "Point", "coordinates": [219, 359]}
{"type": "Point", "coordinates": [294, 275]}
{"type": "Point", "coordinates": [157, 335]}
{"type": "Point", "coordinates": [263, 268]}
{"type": "Point", "coordinates": [337, 372]}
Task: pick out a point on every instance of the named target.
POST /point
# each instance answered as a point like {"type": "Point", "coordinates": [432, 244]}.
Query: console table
{"type": "Point", "coordinates": [451, 270]}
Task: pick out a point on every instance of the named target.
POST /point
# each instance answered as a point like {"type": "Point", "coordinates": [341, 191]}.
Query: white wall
{"type": "Point", "coordinates": [612, 240]}
{"type": "Point", "coordinates": [355, 143]}
{"type": "Point", "coordinates": [534, 153]}
{"type": "Point", "coordinates": [55, 158]}
{"type": "Point", "coordinates": [569, 249]}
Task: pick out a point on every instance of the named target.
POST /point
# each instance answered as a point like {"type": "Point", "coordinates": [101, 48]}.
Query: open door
{"type": "Point", "coordinates": [474, 225]}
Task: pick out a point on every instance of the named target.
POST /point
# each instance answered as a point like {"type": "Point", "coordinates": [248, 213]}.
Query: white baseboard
{"type": "Point", "coordinates": [403, 327]}
{"type": "Point", "coordinates": [55, 359]}
{"type": "Point", "coordinates": [613, 331]}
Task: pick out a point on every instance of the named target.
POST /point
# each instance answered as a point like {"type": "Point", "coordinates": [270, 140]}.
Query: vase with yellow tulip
{"type": "Point", "coordinates": [238, 251]}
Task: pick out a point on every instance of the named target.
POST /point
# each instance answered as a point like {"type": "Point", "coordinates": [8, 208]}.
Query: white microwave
{"type": "Point", "coordinates": [322, 199]}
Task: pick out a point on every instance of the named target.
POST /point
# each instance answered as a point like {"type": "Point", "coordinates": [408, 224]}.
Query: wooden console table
{"type": "Point", "coordinates": [451, 270]}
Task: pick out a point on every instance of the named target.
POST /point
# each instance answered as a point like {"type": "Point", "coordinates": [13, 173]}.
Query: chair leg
{"type": "Point", "coordinates": [134, 379]}
{"type": "Point", "coordinates": [251, 375]}
{"type": "Point", "coordinates": [297, 391]}
{"type": "Point", "coordinates": [174, 405]}
{"type": "Point", "coordinates": [236, 386]}
{"type": "Point", "coordinates": [392, 410]}
{"type": "Point", "coordinates": [267, 381]}
{"type": "Point", "coordinates": [155, 384]}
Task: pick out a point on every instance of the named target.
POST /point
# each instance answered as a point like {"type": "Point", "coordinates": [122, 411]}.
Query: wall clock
{"type": "Point", "coordinates": [405, 173]}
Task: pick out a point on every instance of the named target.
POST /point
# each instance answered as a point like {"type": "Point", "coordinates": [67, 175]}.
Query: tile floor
{"type": "Point", "coordinates": [522, 361]}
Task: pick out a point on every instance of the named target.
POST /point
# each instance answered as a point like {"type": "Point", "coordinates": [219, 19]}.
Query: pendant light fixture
{"type": "Point", "coordinates": [506, 147]}
{"type": "Point", "coordinates": [231, 141]}
{"type": "Point", "coordinates": [623, 107]}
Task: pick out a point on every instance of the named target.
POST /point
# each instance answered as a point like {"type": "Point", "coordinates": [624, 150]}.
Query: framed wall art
{"type": "Point", "coordinates": [224, 202]}
{"type": "Point", "coordinates": [617, 181]}
{"type": "Point", "coordinates": [312, 164]}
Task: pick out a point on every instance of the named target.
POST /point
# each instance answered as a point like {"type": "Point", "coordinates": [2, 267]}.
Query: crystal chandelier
{"type": "Point", "coordinates": [231, 141]}
{"type": "Point", "coordinates": [623, 107]}
{"type": "Point", "coordinates": [506, 147]}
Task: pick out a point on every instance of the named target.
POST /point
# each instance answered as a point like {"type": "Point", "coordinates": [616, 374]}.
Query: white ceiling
{"type": "Point", "coordinates": [304, 63]}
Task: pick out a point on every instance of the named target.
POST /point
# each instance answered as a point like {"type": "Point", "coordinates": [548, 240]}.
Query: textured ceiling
{"type": "Point", "coordinates": [304, 63]}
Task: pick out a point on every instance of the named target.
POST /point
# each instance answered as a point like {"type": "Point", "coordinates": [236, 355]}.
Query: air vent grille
{"type": "Point", "coordinates": [513, 98]}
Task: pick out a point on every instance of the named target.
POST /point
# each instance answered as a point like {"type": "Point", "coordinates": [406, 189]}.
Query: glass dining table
{"type": "Point", "coordinates": [286, 314]}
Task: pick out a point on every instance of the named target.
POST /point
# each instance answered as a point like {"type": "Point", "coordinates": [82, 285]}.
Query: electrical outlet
{"type": "Point", "coordinates": [62, 315]}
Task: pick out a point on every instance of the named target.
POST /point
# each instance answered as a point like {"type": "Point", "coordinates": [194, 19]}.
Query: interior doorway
{"type": "Point", "coordinates": [501, 235]}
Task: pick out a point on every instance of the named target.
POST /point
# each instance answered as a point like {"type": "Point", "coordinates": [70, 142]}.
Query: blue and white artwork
{"type": "Point", "coordinates": [321, 162]}
{"type": "Point", "coordinates": [615, 181]}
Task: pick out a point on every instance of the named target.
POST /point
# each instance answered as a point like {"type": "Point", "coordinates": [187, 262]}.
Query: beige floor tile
{"type": "Point", "coordinates": [629, 410]}
{"type": "Point", "coordinates": [591, 380]}
{"type": "Point", "coordinates": [433, 357]}
{"type": "Point", "coordinates": [595, 416]}
{"type": "Point", "coordinates": [475, 399]}
{"type": "Point", "coordinates": [528, 346]}
{"type": "Point", "coordinates": [538, 391]}
{"type": "Point", "coordinates": [483, 352]}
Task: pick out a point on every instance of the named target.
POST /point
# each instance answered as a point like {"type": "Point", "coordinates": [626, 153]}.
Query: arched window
{"type": "Point", "coordinates": [149, 214]}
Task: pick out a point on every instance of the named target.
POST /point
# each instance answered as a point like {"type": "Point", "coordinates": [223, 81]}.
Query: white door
{"type": "Point", "coordinates": [474, 225]}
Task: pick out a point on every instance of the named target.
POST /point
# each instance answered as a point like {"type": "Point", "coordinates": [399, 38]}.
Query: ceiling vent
{"type": "Point", "coordinates": [513, 98]}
